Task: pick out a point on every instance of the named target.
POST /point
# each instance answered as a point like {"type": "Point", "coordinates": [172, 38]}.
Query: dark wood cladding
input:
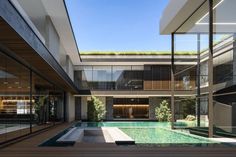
{"type": "Point", "coordinates": [156, 77]}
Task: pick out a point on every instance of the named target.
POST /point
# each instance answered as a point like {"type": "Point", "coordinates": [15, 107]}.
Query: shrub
{"type": "Point", "coordinates": [188, 106]}
{"type": "Point", "coordinates": [96, 110]}
{"type": "Point", "coordinates": [190, 118]}
{"type": "Point", "coordinates": [163, 113]}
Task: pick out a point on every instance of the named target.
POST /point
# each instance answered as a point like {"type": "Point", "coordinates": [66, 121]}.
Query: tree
{"type": "Point", "coordinates": [188, 106]}
{"type": "Point", "coordinates": [163, 113]}
{"type": "Point", "coordinates": [96, 110]}
{"type": "Point", "coordinates": [39, 109]}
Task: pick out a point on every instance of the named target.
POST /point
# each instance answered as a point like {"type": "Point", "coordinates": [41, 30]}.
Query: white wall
{"type": "Point", "coordinates": [70, 68]}
{"type": "Point", "coordinates": [52, 39]}
{"type": "Point", "coordinates": [70, 107]}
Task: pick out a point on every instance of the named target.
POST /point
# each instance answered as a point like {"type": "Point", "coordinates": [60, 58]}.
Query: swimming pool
{"type": "Point", "coordinates": [152, 132]}
{"type": "Point", "coordinates": [156, 133]}
{"type": "Point", "coordinates": [162, 136]}
{"type": "Point", "coordinates": [124, 124]}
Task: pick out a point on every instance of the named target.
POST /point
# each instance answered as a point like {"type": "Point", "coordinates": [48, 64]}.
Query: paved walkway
{"type": "Point", "coordinates": [29, 148]}
{"type": "Point", "coordinates": [14, 127]}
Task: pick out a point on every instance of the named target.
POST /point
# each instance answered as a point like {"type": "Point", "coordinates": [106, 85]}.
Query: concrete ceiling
{"type": "Point", "coordinates": [197, 15]}
{"type": "Point", "coordinates": [176, 12]}
{"type": "Point", "coordinates": [56, 9]}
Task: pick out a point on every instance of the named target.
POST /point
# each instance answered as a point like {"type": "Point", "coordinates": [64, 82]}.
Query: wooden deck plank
{"type": "Point", "coordinates": [29, 148]}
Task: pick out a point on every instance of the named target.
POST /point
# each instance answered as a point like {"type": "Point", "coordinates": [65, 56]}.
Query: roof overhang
{"type": "Point", "coordinates": [60, 18]}
{"type": "Point", "coordinates": [176, 13]}
{"type": "Point", "coordinates": [37, 10]}
{"type": "Point", "coordinates": [16, 36]}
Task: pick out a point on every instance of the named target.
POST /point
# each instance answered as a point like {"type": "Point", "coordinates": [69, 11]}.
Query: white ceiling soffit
{"type": "Point", "coordinates": [56, 9]}
{"type": "Point", "coordinates": [176, 12]}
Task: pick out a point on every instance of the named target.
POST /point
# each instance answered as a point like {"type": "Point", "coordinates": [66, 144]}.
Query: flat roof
{"type": "Point", "coordinates": [136, 53]}
{"type": "Point", "coordinates": [176, 12]}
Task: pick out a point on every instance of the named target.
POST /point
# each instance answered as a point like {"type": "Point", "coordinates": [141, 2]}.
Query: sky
{"type": "Point", "coordinates": [118, 25]}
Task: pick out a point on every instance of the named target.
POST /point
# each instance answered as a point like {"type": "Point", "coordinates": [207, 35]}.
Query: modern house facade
{"type": "Point", "coordinates": [130, 84]}
{"type": "Point", "coordinates": [44, 79]}
{"type": "Point", "coordinates": [37, 49]}
{"type": "Point", "coordinates": [208, 27]}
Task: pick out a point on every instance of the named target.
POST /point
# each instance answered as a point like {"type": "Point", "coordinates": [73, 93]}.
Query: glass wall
{"type": "Point", "coordinates": [157, 77]}
{"type": "Point", "coordinates": [121, 77]}
{"type": "Point", "coordinates": [14, 99]}
{"type": "Point", "coordinates": [191, 41]}
{"type": "Point", "coordinates": [47, 103]}
{"type": "Point", "coordinates": [23, 112]}
{"type": "Point", "coordinates": [102, 77]}
{"type": "Point", "coordinates": [215, 70]}
{"type": "Point", "coordinates": [224, 73]}
{"type": "Point", "coordinates": [147, 77]}
{"type": "Point", "coordinates": [127, 77]}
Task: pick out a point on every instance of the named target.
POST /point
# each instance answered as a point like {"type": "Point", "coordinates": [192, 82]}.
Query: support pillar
{"type": "Point", "coordinates": [172, 82]}
{"type": "Point", "coordinates": [210, 71]}
{"type": "Point", "coordinates": [198, 82]}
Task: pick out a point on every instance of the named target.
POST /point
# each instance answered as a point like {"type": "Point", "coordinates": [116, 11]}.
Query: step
{"type": "Point", "coordinates": [118, 136]}
{"type": "Point", "coordinates": [74, 135]}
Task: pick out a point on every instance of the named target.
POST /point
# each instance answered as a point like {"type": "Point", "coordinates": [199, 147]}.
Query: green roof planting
{"type": "Point", "coordinates": [135, 53]}
{"type": "Point", "coordinates": [223, 38]}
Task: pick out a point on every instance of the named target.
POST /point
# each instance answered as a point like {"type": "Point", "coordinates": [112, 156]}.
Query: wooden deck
{"type": "Point", "coordinates": [29, 148]}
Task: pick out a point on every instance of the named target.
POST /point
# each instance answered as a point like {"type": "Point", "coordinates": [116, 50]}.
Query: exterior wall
{"type": "Point", "coordinates": [40, 31]}
{"type": "Point", "coordinates": [223, 116]}
{"type": "Point", "coordinates": [81, 107]}
{"type": "Point", "coordinates": [69, 67]}
{"type": "Point", "coordinates": [46, 28]}
{"type": "Point", "coordinates": [109, 108]}
{"type": "Point", "coordinates": [70, 107]}
{"type": "Point", "coordinates": [153, 103]}
{"type": "Point", "coordinates": [52, 39]}
{"type": "Point", "coordinates": [77, 108]}
{"type": "Point", "coordinates": [84, 108]}
{"type": "Point", "coordinates": [63, 58]}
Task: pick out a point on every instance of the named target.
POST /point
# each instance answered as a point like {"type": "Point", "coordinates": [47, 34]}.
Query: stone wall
{"type": "Point", "coordinates": [109, 108]}
{"type": "Point", "coordinates": [70, 107]}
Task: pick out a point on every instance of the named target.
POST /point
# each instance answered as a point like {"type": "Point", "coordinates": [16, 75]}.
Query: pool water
{"type": "Point", "coordinates": [152, 132]}
{"type": "Point", "coordinates": [124, 124]}
{"type": "Point", "coordinates": [161, 135]}
{"type": "Point", "coordinates": [147, 133]}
